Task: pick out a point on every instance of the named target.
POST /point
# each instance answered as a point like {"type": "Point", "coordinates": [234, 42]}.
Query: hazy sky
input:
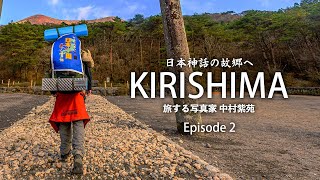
{"type": "Point", "coordinates": [84, 9]}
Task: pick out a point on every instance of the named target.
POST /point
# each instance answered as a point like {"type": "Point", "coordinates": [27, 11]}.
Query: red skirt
{"type": "Point", "coordinates": [68, 108]}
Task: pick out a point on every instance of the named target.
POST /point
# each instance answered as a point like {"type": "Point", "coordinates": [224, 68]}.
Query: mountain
{"type": "Point", "coordinates": [42, 19]}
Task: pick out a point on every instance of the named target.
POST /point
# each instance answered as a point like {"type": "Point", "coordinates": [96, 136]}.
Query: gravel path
{"type": "Point", "coordinates": [118, 147]}
{"type": "Point", "coordinates": [14, 106]}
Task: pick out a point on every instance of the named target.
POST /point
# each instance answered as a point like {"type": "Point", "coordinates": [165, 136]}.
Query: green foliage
{"type": "Point", "coordinates": [138, 19]}
{"type": "Point", "coordinates": [303, 2]}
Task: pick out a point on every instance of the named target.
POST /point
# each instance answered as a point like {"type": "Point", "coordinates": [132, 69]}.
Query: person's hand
{"type": "Point", "coordinates": [89, 92]}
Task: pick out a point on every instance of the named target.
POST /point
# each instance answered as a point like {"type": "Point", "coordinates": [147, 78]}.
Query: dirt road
{"type": "Point", "coordinates": [280, 141]}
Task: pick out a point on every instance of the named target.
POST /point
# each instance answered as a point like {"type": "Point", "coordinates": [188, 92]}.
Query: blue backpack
{"type": "Point", "coordinates": [67, 67]}
{"type": "Point", "coordinates": [66, 56]}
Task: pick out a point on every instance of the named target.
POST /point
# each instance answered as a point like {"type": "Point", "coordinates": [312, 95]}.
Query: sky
{"type": "Point", "coordinates": [15, 10]}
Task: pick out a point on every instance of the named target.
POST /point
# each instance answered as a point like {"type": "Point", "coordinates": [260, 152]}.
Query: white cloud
{"type": "Point", "coordinates": [124, 8]}
{"type": "Point", "coordinates": [53, 2]}
{"type": "Point", "coordinates": [265, 3]}
{"type": "Point", "coordinates": [99, 12]}
{"type": "Point", "coordinates": [84, 12]}
{"type": "Point", "coordinates": [132, 7]}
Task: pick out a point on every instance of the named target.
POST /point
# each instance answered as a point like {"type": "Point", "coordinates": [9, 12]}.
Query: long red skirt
{"type": "Point", "coordinates": [68, 108]}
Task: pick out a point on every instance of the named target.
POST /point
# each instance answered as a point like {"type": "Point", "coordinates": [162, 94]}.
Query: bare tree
{"type": "Point", "coordinates": [177, 47]}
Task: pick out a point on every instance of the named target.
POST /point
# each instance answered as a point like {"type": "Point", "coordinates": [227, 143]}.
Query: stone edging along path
{"type": "Point", "coordinates": [117, 147]}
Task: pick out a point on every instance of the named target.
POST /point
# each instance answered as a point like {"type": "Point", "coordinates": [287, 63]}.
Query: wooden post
{"type": "Point", "coordinates": [105, 88]}
{"type": "Point", "coordinates": [8, 82]}
{"type": "Point", "coordinates": [2, 81]}
{"type": "Point", "coordinates": [34, 84]}
{"type": "Point", "coordinates": [13, 83]}
{"type": "Point", "coordinates": [177, 47]}
{"type": "Point", "coordinates": [31, 83]}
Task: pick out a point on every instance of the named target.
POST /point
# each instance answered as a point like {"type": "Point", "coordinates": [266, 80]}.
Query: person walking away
{"type": "Point", "coordinates": [70, 117]}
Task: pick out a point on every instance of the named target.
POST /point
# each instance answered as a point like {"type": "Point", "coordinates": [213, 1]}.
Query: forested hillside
{"type": "Point", "coordinates": [287, 40]}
